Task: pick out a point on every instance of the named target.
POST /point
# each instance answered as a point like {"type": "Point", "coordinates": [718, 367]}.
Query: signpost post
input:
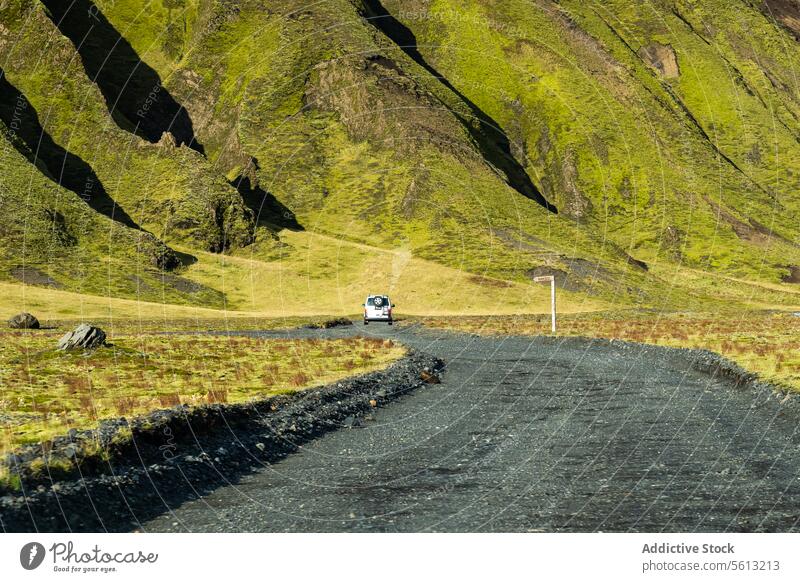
{"type": "Point", "coordinates": [552, 280]}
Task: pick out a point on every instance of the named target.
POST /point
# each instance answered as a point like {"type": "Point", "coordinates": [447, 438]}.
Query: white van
{"type": "Point", "coordinates": [378, 308]}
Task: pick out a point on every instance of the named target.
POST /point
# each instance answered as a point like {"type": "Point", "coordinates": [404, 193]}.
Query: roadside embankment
{"type": "Point", "coordinates": [128, 471]}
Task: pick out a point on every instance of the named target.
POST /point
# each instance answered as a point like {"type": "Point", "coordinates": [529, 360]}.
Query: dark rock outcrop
{"type": "Point", "coordinates": [330, 323]}
{"type": "Point", "coordinates": [84, 337]}
{"type": "Point", "coordinates": [23, 321]}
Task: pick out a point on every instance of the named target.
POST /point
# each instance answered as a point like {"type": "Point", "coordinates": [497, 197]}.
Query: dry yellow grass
{"type": "Point", "coordinates": [767, 343]}
{"type": "Point", "coordinates": [321, 275]}
{"type": "Point", "coordinates": [326, 275]}
{"type": "Point", "coordinates": [50, 304]}
{"type": "Point", "coordinates": [44, 392]}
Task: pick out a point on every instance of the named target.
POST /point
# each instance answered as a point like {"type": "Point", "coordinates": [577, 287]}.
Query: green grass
{"type": "Point", "coordinates": [376, 153]}
{"type": "Point", "coordinates": [174, 193]}
{"type": "Point", "coordinates": [587, 110]}
{"type": "Point", "coordinates": [320, 274]}
{"type": "Point", "coordinates": [45, 392]}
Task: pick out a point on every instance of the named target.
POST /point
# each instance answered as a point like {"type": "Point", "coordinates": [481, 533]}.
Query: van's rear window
{"type": "Point", "coordinates": [384, 303]}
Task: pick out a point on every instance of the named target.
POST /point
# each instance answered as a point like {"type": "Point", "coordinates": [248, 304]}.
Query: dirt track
{"type": "Point", "coordinates": [533, 434]}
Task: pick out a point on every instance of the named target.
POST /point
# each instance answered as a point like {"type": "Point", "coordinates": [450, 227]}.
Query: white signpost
{"type": "Point", "coordinates": [552, 281]}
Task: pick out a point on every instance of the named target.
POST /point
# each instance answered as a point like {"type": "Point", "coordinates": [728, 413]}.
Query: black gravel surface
{"type": "Point", "coordinates": [182, 453]}
{"type": "Point", "coordinates": [535, 434]}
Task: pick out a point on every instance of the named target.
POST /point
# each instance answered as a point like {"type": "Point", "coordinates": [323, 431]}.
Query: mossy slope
{"type": "Point", "coordinates": [613, 146]}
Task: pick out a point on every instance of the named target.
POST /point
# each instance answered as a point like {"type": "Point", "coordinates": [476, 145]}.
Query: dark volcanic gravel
{"type": "Point", "coordinates": [182, 453]}
{"type": "Point", "coordinates": [535, 434]}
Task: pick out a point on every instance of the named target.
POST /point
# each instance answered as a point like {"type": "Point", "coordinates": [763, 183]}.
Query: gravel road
{"type": "Point", "coordinates": [532, 434]}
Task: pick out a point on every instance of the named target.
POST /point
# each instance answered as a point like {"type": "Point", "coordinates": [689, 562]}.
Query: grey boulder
{"type": "Point", "coordinates": [23, 321]}
{"type": "Point", "coordinates": [84, 337]}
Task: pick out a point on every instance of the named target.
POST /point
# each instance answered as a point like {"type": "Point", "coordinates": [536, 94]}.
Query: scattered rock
{"type": "Point", "coordinates": [167, 141]}
{"type": "Point", "coordinates": [182, 284]}
{"type": "Point", "coordinates": [23, 321]}
{"type": "Point", "coordinates": [158, 254]}
{"type": "Point", "coordinates": [636, 263]}
{"type": "Point", "coordinates": [266, 430]}
{"type": "Point", "coordinates": [338, 322]}
{"type": "Point", "coordinates": [84, 337]}
{"type": "Point", "coordinates": [33, 276]}
{"type": "Point", "coordinates": [662, 58]}
{"type": "Point", "coordinates": [429, 377]}
{"type": "Point", "coordinates": [785, 12]}
{"type": "Point", "coordinates": [793, 276]}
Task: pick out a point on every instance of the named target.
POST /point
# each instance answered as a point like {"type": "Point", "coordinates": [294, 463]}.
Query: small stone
{"type": "Point", "coordinates": [260, 446]}
{"type": "Point", "coordinates": [23, 321]}
{"type": "Point", "coordinates": [84, 336]}
{"type": "Point", "coordinates": [167, 141]}
{"type": "Point", "coordinates": [429, 377]}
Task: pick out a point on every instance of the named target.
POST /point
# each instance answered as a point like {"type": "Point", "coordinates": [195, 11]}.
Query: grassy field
{"type": "Point", "coordinates": [306, 275]}
{"type": "Point", "coordinates": [45, 392]}
{"type": "Point", "coordinates": [767, 343]}
{"type": "Point", "coordinates": [313, 273]}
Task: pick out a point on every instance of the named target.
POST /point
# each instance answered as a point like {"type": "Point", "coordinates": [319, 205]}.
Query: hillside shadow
{"type": "Point", "coordinates": [268, 210]}
{"type": "Point", "coordinates": [63, 167]}
{"type": "Point", "coordinates": [186, 260]}
{"type": "Point", "coordinates": [134, 94]}
{"type": "Point", "coordinates": [493, 141]}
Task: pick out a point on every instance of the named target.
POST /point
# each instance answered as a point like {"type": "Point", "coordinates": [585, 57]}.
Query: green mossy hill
{"type": "Point", "coordinates": [160, 184]}
{"type": "Point", "coordinates": [53, 238]}
{"type": "Point", "coordinates": [610, 144]}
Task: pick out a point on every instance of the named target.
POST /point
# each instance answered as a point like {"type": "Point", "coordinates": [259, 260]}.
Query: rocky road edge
{"type": "Point", "coordinates": [716, 366]}
{"type": "Point", "coordinates": [157, 461]}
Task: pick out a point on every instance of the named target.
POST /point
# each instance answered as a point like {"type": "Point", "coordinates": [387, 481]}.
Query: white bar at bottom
{"type": "Point", "coordinates": [406, 557]}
